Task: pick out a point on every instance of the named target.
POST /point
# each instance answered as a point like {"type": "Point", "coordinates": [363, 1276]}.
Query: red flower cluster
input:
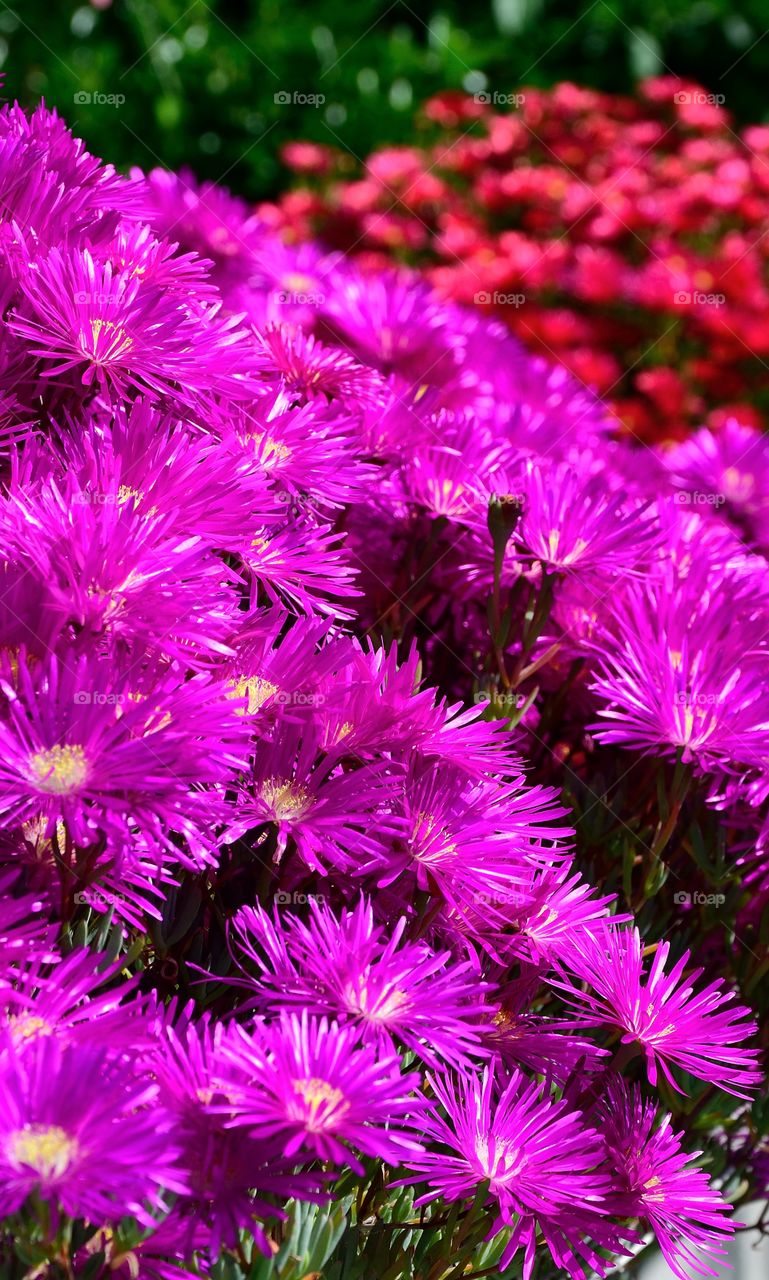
{"type": "Point", "coordinates": [625, 237]}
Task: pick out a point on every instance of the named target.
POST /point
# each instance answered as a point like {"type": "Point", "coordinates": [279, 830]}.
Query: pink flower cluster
{"type": "Point", "coordinates": [624, 237]}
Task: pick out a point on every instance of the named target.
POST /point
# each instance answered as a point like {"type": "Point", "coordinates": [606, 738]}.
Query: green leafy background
{"type": "Point", "coordinates": [200, 79]}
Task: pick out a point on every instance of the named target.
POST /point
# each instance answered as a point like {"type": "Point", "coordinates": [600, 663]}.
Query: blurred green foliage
{"type": "Point", "coordinates": [200, 80]}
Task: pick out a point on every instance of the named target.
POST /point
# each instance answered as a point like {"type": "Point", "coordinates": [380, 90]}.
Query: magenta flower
{"type": "Point", "coordinates": [81, 1130]}
{"type": "Point", "coordinates": [113, 332]}
{"type": "Point", "coordinates": [347, 969]}
{"type": "Point", "coordinates": [315, 1088]}
{"type": "Point", "coordinates": [659, 1183]}
{"type": "Point", "coordinates": [230, 1171]}
{"type": "Point", "coordinates": [334, 817]}
{"type": "Point", "coordinates": [308, 369]}
{"type": "Point", "coordinates": [702, 1032]}
{"type": "Point", "coordinates": [107, 747]}
{"type": "Point", "coordinates": [68, 1000]}
{"type": "Point", "coordinates": [572, 524]}
{"type": "Point", "coordinates": [677, 678]}
{"type": "Point", "coordinates": [103, 568]}
{"type": "Point", "coordinates": [541, 1161]}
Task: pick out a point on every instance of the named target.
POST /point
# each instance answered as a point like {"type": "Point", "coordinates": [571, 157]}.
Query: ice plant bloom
{"type": "Point", "coordinates": [347, 968]}
{"type": "Point", "coordinates": [542, 1163]}
{"type": "Point", "coordinates": [312, 1086]}
{"type": "Point", "coordinates": [675, 1025]}
{"type": "Point", "coordinates": [81, 1130]}
{"type": "Point", "coordinates": [658, 1182]}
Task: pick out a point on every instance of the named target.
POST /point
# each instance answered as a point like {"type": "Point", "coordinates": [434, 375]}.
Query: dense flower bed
{"type": "Point", "coordinates": [358, 691]}
{"type": "Point", "coordinates": [625, 237]}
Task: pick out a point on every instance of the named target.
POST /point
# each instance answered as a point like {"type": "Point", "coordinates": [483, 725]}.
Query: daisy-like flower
{"type": "Point", "coordinates": [106, 569]}
{"type": "Point", "coordinates": [550, 911]}
{"type": "Point", "coordinates": [68, 1000]}
{"type": "Point", "coordinates": [227, 1167]}
{"type": "Point", "coordinates": [725, 472]}
{"type": "Point", "coordinates": [346, 968]}
{"type": "Point", "coordinates": [541, 1161]}
{"type": "Point", "coordinates": [396, 322]}
{"type": "Point", "coordinates": [150, 464]}
{"type": "Point", "coordinates": [674, 678]}
{"type": "Point", "coordinates": [657, 1181]}
{"type": "Point", "coordinates": [53, 185]}
{"type": "Point", "coordinates": [702, 1031]}
{"type": "Point", "coordinates": [281, 663]}
{"type": "Point", "coordinates": [572, 525]}
{"type": "Point", "coordinates": [116, 749]}
{"type": "Point", "coordinates": [335, 817]}
{"type": "Point", "coordinates": [110, 331]}
{"type": "Point", "coordinates": [301, 567]}
{"type": "Point", "coordinates": [308, 368]}
{"type": "Point", "coordinates": [82, 1131]}
{"type": "Point", "coordinates": [474, 842]}
{"type": "Point", "coordinates": [312, 1085]}
{"type": "Point", "coordinates": [310, 451]}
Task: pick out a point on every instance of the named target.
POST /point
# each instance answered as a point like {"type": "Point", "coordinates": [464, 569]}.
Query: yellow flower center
{"type": "Point", "coordinates": [27, 1026]}
{"type": "Point", "coordinates": [255, 689]}
{"type": "Point", "coordinates": [287, 800]}
{"type": "Point", "coordinates": [271, 451]}
{"type": "Point", "coordinates": [112, 338]}
{"type": "Point", "coordinates": [380, 1008]}
{"type": "Point", "coordinates": [326, 1104]}
{"type": "Point", "coordinates": [46, 1148]}
{"type": "Point", "coordinates": [59, 770]}
{"type": "Point", "coordinates": [430, 840]}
